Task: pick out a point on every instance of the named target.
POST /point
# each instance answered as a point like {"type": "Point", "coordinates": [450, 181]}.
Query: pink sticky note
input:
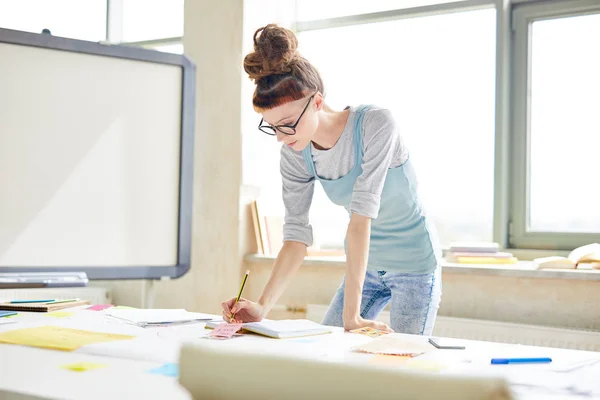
{"type": "Point", "coordinates": [226, 330]}
{"type": "Point", "coordinates": [99, 307]}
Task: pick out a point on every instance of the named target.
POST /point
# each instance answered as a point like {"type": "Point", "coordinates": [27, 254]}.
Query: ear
{"type": "Point", "coordinates": [319, 101]}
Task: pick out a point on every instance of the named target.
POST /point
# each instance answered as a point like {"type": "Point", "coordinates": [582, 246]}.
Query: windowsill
{"type": "Point", "coordinates": [523, 269]}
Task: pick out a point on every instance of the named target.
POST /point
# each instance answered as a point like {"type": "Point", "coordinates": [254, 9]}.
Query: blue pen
{"type": "Point", "coordinates": [31, 301]}
{"type": "Point", "coordinates": [521, 360]}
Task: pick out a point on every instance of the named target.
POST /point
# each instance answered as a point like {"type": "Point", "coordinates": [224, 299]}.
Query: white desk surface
{"type": "Point", "coordinates": [36, 372]}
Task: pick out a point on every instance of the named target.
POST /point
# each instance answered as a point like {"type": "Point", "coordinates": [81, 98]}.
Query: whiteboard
{"type": "Point", "coordinates": [91, 141]}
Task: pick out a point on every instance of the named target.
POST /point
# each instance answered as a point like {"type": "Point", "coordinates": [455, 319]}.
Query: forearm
{"type": "Point", "coordinates": [287, 263]}
{"type": "Point", "coordinates": [357, 254]}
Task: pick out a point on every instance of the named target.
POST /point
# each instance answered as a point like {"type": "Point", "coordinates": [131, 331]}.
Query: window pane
{"type": "Point", "coordinates": [322, 9]}
{"type": "Point", "coordinates": [170, 48]}
{"type": "Point", "coordinates": [565, 125]}
{"type": "Point", "coordinates": [441, 90]}
{"type": "Point", "coordinates": [75, 19]}
{"type": "Point", "coordinates": [152, 19]}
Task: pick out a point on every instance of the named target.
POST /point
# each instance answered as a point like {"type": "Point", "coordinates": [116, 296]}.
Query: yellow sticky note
{"type": "Point", "coordinates": [388, 361]}
{"type": "Point", "coordinates": [59, 314]}
{"type": "Point", "coordinates": [57, 338]}
{"type": "Point", "coordinates": [83, 366]}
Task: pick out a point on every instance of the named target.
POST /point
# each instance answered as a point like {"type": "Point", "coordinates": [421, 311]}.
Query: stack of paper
{"type": "Point", "coordinates": [157, 317]}
{"type": "Point", "coordinates": [51, 305]}
{"type": "Point", "coordinates": [282, 329]}
{"type": "Point", "coordinates": [396, 345]}
{"type": "Point", "coordinates": [478, 253]}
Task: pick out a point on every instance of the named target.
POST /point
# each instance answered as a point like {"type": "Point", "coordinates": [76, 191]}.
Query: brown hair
{"type": "Point", "coordinates": [281, 75]}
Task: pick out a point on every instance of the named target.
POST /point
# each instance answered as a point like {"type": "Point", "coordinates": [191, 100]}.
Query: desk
{"type": "Point", "coordinates": [27, 372]}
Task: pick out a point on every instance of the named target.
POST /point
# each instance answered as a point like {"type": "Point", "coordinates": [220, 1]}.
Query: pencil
{"type": "Point", "coordinates": [240, 293]}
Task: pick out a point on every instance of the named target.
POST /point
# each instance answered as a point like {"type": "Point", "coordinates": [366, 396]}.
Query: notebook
{"type": "Point", "coordinates": [42, 307]}
{"type": "Point", "coordinates": [157, 317]}
{"type": "Point", "coordinates": [7, 313]}
{"type": "Point", "coordinates": [474, 247]}
{"type": "Point", "coordinates": [281, 329]}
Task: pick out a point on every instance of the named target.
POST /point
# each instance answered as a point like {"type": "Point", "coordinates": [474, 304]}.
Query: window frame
{"type": "Point", "coordinates": [523, 15]}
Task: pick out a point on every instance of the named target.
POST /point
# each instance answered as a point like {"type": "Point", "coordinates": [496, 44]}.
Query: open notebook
{"type": "Point", "coordinates": [282, 329]}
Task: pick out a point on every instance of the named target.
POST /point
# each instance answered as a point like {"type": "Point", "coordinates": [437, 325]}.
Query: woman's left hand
{"type": "Point", "coordinates": [360, 322]}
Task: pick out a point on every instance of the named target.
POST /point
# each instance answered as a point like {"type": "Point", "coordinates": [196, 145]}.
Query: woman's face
{"type": "Point", "coordinates": [299, 113]}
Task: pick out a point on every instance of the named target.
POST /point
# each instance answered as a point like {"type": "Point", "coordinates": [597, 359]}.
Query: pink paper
{"type": "Point", "coordinates": [99, 307]}
{"type": "Point", "coordinates": [225, 330]}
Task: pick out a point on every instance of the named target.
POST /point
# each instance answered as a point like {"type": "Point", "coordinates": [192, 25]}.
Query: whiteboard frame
{"type": "Point", "coordinates": [186, 167]}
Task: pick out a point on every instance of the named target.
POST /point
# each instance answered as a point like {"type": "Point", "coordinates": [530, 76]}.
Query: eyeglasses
{"type": "Point", "coordinates": [285, 129]}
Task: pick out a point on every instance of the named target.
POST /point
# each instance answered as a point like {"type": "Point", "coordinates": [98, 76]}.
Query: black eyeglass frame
{"type": "Point", "coordinates": [271, 130]}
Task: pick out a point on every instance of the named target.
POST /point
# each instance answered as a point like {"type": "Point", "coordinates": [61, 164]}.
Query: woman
{"type": "Point", "coordinates": [360, 159]}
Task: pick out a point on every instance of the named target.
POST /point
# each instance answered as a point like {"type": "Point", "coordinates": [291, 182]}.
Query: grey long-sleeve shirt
{"type": "Point", "coordinates": [383, 149]}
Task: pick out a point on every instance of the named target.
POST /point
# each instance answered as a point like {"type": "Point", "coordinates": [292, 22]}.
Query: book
{"type": "Point", "coordinates": [474, 247]}
{"type": "Point", "coordinates": [42, 307]}
{"type": "Point", "coordinates": [466, 257]}
{"type": "Point", "coordinates": [267, 224]}
{"type": "Point", "coordinates": [260, 248]}
{"type": "Point", "coordinates": [500, 254]}
{"type": "Point", "coordinates": [311, 252]}
{"type": "Point", "coordinates": [274, 227]}
{"type": "Point", "coordinates": [281, 329]}
{"type": "Point", "coordinates": [262, 225]}
{"type": "Point", "coordinates": [7, 313]}
{"type": "Point", "coordinates": [485, 260]}
{"type": "Point", "coordinates": [588, 254]}
{"type": "Point", "coordinates": [157, 317]}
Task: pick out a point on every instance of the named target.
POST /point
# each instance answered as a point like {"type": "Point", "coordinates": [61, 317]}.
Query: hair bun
{"type": "Point", "coordinates": [275, 52]}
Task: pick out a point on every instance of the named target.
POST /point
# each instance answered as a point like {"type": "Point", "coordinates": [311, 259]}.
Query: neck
{"type": "Point", "coordinates": [331, 126]}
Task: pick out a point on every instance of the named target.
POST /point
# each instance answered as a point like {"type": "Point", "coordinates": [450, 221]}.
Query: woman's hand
{"type": "Point", "coordinates": [243, 311]}
{"type": "Point", "coordinates": [359, 322]}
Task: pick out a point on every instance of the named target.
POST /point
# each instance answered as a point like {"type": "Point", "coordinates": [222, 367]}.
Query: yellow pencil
{"type": "Point", "coordinates": [240, 293]}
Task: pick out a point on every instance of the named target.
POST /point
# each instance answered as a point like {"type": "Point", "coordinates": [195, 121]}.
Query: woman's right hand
{"type": "Point", "coordinates": [243, 311]}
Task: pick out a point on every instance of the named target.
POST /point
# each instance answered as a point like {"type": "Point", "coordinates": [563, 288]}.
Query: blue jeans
{"type": "Point", "coordinates": [415, 300]}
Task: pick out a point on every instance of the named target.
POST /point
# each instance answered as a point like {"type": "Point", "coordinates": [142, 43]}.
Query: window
{"type": "Point", "coordinates": [565, 125]}
{"type": "Point", "coordinates": [176, 48]}
{"type": "Point", "coordinates": [152, 19]}
{"type": "Point", "coordinates": [74, 19]}
{"type": "Point", "coordinates": [558, 126]}
{"type": "Point", "coordinates": [440, 89]}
